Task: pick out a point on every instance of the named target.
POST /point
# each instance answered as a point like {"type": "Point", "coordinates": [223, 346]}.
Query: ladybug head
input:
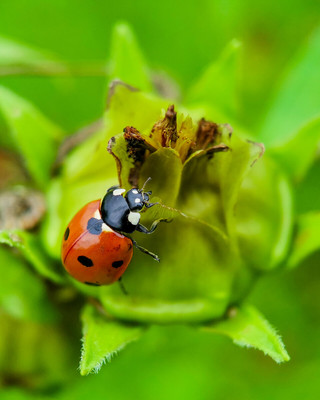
{"type": "Point", "coordinates": [137, 198]}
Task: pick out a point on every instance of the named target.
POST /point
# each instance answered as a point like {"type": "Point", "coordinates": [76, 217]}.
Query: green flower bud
{"type": "Point", "coordinates": [228, 208]}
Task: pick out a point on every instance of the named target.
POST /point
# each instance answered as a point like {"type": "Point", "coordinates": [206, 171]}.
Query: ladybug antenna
{"type": "Point", "coordinates": [144, 185]}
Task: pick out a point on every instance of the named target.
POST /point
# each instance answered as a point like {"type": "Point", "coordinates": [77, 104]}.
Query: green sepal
{"type": "Point", "coordinates": [218, 86]}
{"type": "Point", "coordinates": [307, 238]}
{"type": "Point", "coordinates": [264, 225]}
{"type": "Point", "coordinates": [164, 167]}
{"type": "Point", "coordinates": [218, 179]}
{"type": "Point", "coordinates": [103, 338]}
{"type": "Point", "coordinates": [192, 283]}
{"type": "Point", "coordinates": [248, 328]}
{"type": "Point", "coordinates": [127, 63]}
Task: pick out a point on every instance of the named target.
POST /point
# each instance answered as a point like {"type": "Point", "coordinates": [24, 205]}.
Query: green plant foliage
{"type": "Point", "coordinates": [16, 55]}
{"type": "Point", "coordinates": [33, 134]}
{"type": "Point", "coordinates": [297, 154]}
{"type": "Point", "coordinates": [201, 193]}
{"type": "Point", "coordinates": [30, 247]}
{"type": "Point", "coordinates": [127, 63]}
{"type": "Point", "coordinates": [248, 328]}
{"type": "Point", "coordinates": [22, 294]}
{"type": "Point", "coordinates": [103, 338]}
{"type": "Point", "coordinates": [231, 170]}
{"type": "Point", "coordinates": [218, 86]}
{"type": "Point", "coordinates": [231, 212]}
{"type": "Point", "coordinates": [270, 221]}
{"type": "Point", "coordinates": [297, 99]}
{"type": "Point", "coordinates": [307, 238]}
{"type": "Point", "coordinates": [35, 353]}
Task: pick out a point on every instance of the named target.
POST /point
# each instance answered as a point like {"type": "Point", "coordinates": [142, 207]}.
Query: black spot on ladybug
{"type": "Point", "coordinates": [92, 284]}
{"type": "Point", "coordinates": [117, 264]}
{"type": "Point", "coordinates": [129, 246]}
{"type": "Point", "coordinates": [66, 234]}
{"type": "Point", "coordinates": [94, 226]}
{"type": "Point", "coordinates": [87, 262]}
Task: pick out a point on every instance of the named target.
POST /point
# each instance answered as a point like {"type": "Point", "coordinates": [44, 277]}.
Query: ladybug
{"type": "Point", "coordinates": [96, 248]}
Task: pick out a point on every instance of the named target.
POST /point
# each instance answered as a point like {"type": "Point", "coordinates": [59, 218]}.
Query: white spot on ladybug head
{"type": "Point", "coordinates": [137, 201]}
{"type": "Point", "coordinates": [134, 191]}
{"type": "Point", "coordinates": [134, 218]}
{"type": "Point", "coordinates": [118, 192]}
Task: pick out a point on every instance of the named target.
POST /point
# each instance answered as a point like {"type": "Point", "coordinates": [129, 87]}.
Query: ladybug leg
{"type": "Point", "coordinates": [122, 287]}
{"type": "Point", "coordinates": [145, 251]}
{"type": "Point", "coordinates": [148, 205]}
{"type": "Point", "coordinates": [143, 229]}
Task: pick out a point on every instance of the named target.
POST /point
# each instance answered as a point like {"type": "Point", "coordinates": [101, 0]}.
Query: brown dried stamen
{"type": "Point", "coordinates": [207, 134]}
{"type": "Point", "coordinates": [167, 128]}
{"type": "Point", "coordinates": [138, 149]}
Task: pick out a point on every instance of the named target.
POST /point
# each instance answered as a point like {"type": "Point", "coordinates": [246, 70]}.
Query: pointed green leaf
{"type": "Point", "coordinates": [218, 85]}
{"type": "Point", "coordinates": [30, 247]}
{"type": "Point", "coordinates": [307, 239]}
{"type": "Point", "coordinates": [298, 152]}
{"type": "Point", "coordinates": [127, 63]}
{"type": "Point", "coordinates": [298, 97]}
{"type": "Point", "coordinates": [13, 53]}
{"type": "Point", "coordinates": [248, 328]}
{"type": "Point", "coordinates": [34, 136]}
{"type": "Point", "coordinates": [103, 338]}
{"type": "Point", "coordinates": [128, 107]}
{"type": "Point", "coordinates": [22, 294]}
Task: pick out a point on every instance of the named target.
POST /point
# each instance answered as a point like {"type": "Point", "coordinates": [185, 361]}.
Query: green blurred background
{"type": "Point", "coordinates": [178, 39]}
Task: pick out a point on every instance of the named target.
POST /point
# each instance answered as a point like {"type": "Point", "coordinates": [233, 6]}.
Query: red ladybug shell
{"type": "Point", "coordinates": [94, 258]}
